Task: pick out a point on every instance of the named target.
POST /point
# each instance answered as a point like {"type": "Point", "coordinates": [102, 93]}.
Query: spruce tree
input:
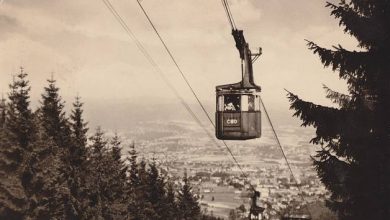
{"type": "Point", "coordinates": [133, 170]}
{"type": "Point", "coordinates": [97, 174]}
{"type": "Point", "coordinates": [16, 136]}
{"type": "Point", "coordinates": [188, 205]}
{"type": "Point", "coordinates": [3, 112]}
{"type": "Point", "coordinates": [145, 208]}
{"type": "Point", "coordinates": [78, 162]}
{"type": "Point", "coordinates": [79, 133]}
{"type": "Point", "coordinates": [57, 128]}
{"type": "Point", "coordinates": [156, 192]}
{"type": "Point", "coordinates": [116, 155]}
{"type": "Point", "coordinates": [29, 187]}
{"type": "Point", "coordinates": [19, 121]}
{"type": "Point", "coordinates": [45, 188]}
{"type": "Point", "coordinates": [53, 115]}
{"type": "Point", "coordinates": [139, 205]}
{"type": "Point", "coordinates": [171, 209]}
{"type": "Point", "coordinates": [106, 179]}
{"type": "Point", "coordinates": [353, 162]}
{"type": "Point", "coordinates": [13, 199]}
{"type": "Point", "coordinates": [119, 167]}
{"type": "Point", "coordinates": [117, 180]}
{"type": "Point", "coordinates": [132, 183]}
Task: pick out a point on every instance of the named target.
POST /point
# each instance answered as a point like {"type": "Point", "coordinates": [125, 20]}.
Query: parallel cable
{"type": "Point", "coordinates": [175, 62]}
{"type": "Point", "coordinates": [284, 154]}
{"type": "Point", "coordinates": [228, 14]}
{"type": "Point", "coordinates": [190, 87]}
{"type": "Point", "coordinates": [153, 63]}
{"type": "Point", "coordinates": [157, 69]}
{"type": "Point", "coordinates": [232, 23]}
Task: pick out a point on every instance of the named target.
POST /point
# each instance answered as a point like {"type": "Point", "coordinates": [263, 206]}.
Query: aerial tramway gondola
{"type": "Point", "coordinates": [238, 115]}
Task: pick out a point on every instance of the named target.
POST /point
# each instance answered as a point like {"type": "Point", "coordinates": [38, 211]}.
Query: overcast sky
{"type": "Point", "coordinates": [89, 53]}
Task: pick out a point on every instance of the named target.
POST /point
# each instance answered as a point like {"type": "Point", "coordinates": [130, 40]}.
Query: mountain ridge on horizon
{"type": "Point", "coordinates": [123, 114]}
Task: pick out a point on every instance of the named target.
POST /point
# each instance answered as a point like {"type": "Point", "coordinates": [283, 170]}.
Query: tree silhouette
{"type": "Point", "coordinates": [48, 170]}
{"type": "Point", "coordinates": [3, 111]}
{"type": "Point", "coordinates": [187, 202]}
{"type": "Point", "coordinates": [354, 137]}
{"type": "Point", "coordinates": [78, 163]}
{"type": "Point", "coordinates": [53, 115]}
{"type": "Point", "coordinates": [16, 136]}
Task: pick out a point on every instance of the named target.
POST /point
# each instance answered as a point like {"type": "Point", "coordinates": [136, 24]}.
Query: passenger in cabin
{"type": "Point", "coordinates": [232, 103]}
{"type": "Point", "coordinates": [230, 107]}
{"type": "Point", "coordinates": [251, 103]}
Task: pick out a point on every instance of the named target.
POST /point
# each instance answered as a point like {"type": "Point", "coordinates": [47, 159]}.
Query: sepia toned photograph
{"type": "Point", "coordinates": [195, 109]}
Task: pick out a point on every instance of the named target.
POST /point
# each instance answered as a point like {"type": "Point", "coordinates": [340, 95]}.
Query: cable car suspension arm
{"type": "Point", "coordinates": [192, 90]}
{"type": "Point", "coordinates": [229, 14]}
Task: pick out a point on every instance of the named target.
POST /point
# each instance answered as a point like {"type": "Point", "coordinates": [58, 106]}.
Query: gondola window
{"type": "Point", "coordinates": [232, 103]}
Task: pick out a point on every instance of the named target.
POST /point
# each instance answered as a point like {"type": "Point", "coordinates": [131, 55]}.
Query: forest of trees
{"type": "Point", "coordinates": [353, 161]}
{"type": "Point", "coordinates": [50, 169]}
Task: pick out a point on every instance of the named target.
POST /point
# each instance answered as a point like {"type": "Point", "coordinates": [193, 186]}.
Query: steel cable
{"type": "Point", "coordinates": [192, 90]}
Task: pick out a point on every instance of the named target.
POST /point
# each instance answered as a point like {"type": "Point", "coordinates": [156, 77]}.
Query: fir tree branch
{"type": "Point", "coordinates": [350, 64]}
{"type": "Point", "coordinates": [328, 121]}
{"type": "Point", "coordinates": [338, 98]}
{"type": "Point", "coordinates": [332, 171]}
{"type": "Point", "coordinates": [370, 8]}
{"type": "Point", "coordinates": [369, 31]}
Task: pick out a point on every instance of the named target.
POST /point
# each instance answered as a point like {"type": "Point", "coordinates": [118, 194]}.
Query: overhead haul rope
{"type": "Point", "coordinates": [225, 4]}
{"type": "Point", "coordinates": [232, 23]}
{"type": "Point", "coordinates": [153, 63]}
{"type": "Point", "coordinates": [192, 90]}
{"type": "Point", "coordinates": [284, 154]}
{"type": "Point", "coordinates": [229, 14]}
{"type": "Point", "coordinates": [157, 68]}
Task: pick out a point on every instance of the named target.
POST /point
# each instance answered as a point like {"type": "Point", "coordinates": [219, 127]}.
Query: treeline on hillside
{"type": "Point", "coordinates": [49, 169]}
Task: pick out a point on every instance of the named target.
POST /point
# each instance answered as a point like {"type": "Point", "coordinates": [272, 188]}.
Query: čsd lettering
{"type": "Point", "coordinates": [231, 121]}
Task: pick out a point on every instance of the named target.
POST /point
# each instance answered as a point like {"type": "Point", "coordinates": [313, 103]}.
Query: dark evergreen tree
{"type": "Point", "coordinates": [97, 175]}
{"type": "Point", "coordinates": [28, 164]}
{"type": "Point", "coordinates": [45, 188]}
{"type": "Point", "coordinates": [77, 163]}
{"type": "Point", "coordinates": [107, 179]}
{"type": "Point", "coordinates": [15, 147]}
{"type": "Point", "coordinates": [48, 172]}
{"type": "Point", "coordinates": [11, 191]}
{"type": "Point", "coordinates": [117, 180]}
{"type": "Point", "coordinates": [133, 169]}
{"type": "Point", "coordinates": [53, 116]}
{"type": "Point", "coordinates": [156, 192]}
{"type": "Point", "coordinates": [133, 184]}
{"type": "Point", "coordinates": [171, 209]}
{"type": "Point", "coordinates": [353, 161]}
{"type": "Point", "coordinates": [13, 200]}
{"type": "Point", "coordinates": [3, 112]}
{"type": "Point", "coordinates": [57, 128]}
{"type": "Point", "coordinates": [19, 121]}
{"type": "Point", "coordinates": [142, 202]}
{"type": "Point", "coordinates": [79, 132]}
{"type": "Point", "coordinates": [188, 205]}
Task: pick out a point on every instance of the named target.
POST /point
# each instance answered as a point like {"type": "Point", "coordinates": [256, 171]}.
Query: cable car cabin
{"type": "Point", "coordinates": [238, 115]}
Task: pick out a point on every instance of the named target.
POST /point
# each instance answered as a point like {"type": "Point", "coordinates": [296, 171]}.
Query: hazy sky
{"type": "Point", "coordinates": [90, 54]}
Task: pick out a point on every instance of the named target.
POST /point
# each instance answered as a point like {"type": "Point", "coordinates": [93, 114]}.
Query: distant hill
{"type": "Point", "coordinates": [124, 114]}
